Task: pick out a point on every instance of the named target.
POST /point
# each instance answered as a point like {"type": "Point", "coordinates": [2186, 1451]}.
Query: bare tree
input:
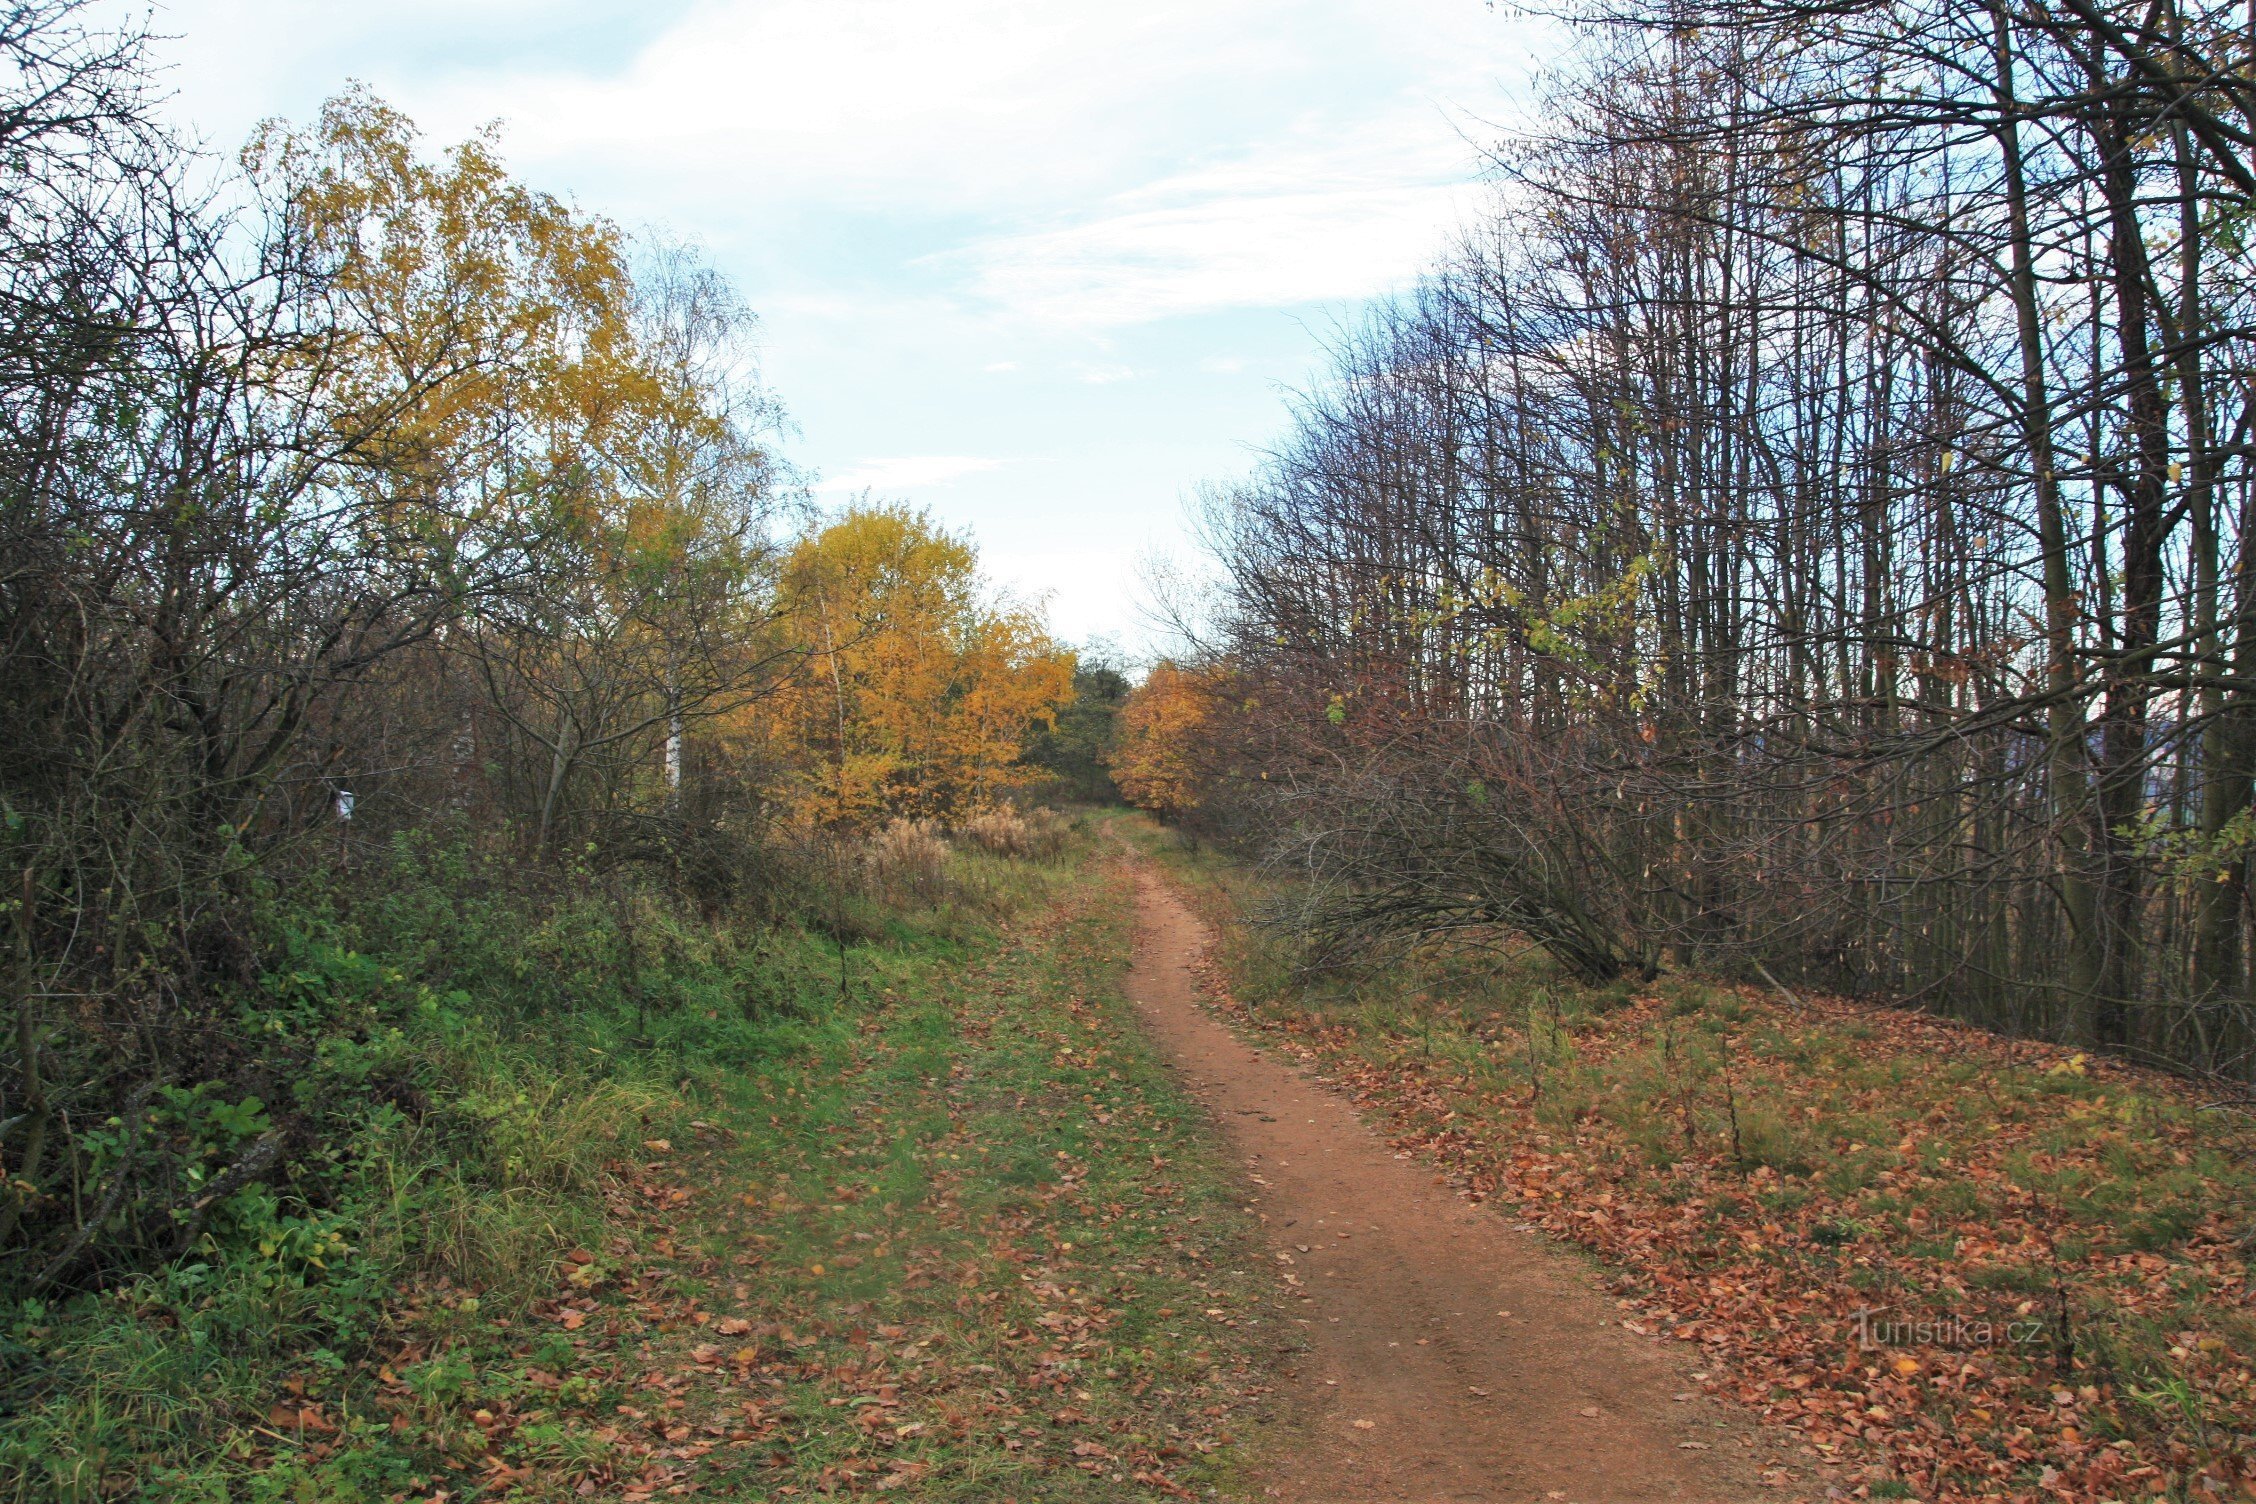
{"type": "Point", "coordinates": [1808, 528]}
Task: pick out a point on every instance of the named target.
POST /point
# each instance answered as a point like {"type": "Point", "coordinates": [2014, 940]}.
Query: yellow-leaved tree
{"type": "Point", "coordinates": [1156, 749]}
{"type": "Point", "coordinates": [919, 687]}
{"type": "Point", "coordinates": [580, 446]}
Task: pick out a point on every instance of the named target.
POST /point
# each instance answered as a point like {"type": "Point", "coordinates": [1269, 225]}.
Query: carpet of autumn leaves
{"type": "Point", "coordinates": [974, 1248]}
{"type": "Point", "coordinates": [2051, 1254]}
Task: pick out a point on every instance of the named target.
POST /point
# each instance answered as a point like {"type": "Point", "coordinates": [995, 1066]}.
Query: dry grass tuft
{"type": "Point", "coordinates": [1002, 830]}
{"type": "Point", "coordinates": [905, 860]}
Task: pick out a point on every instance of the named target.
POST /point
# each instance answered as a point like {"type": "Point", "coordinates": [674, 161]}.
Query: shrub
{"type": "Point", "coordinates": [906, 861]}
{"type": "Point", "coordinates": [447, 1046]}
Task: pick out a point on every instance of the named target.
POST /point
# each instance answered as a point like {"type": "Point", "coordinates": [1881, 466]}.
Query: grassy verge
{"type": "Point", "coordinates": [973, 1248]}
{"type": "Point", "coordinates": [632, 1206]}
{"type": "Point", "coordinates": [1962, 1267]}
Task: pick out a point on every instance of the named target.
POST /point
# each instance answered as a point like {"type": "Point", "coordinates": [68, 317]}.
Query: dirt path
{"type": "Point", "coordinates": [1449, 1355]}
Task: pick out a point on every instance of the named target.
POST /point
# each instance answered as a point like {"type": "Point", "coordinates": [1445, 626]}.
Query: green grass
{"type": "Point", "coordinates": [997, 1231]}
{"type": "Point", "coordinates": [607, 1196]}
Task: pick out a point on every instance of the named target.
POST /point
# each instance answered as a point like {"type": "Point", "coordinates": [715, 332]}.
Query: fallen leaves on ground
{"type": "Point", "coordinates": [1990, 1269]}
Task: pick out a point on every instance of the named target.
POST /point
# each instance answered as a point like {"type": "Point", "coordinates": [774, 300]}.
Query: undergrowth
{"type": "Point", "coordinates": [477, 1073]}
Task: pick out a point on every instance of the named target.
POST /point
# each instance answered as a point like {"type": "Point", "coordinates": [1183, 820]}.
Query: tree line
{"type": "Point", "coordinates": [348, 491]}
{"type": "Point", "coordinates": [1805, 529]}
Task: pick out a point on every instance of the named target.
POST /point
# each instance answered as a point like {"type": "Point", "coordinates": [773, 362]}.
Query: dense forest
{"type": "Point", "coordinates": [1806, 531]}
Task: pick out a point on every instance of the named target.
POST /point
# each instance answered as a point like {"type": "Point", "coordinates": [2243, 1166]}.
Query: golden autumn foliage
{"type": "Point", "coordinates": [1154, 758]}
{"type": "Point", "coordinates": [478, 332]}
{"type": "Point", "coordinates": [573, 413]}
{"type": "Point", "coordinates": [918, 691]}
{"type": "Point", "coordinates": [569, 422]}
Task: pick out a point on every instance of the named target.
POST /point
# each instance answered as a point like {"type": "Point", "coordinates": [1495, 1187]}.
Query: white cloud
{"type": "Point", "coordinates": [906, 472]}
{"type": "Point", "coordinates": [1222, 365]}
{"type": "Point", "coordinates": [1198, 257]}
{"type": "Point", "coordinates": [1080, 162]}
{"type": "Point", "coordinates": [949, 106]}
{"type": "Point", "coordinates": [886, 106]}
{"type": "Point", "coordinates": [908, 191]}
{"type": "Point", "coordinates": [1286, 223]}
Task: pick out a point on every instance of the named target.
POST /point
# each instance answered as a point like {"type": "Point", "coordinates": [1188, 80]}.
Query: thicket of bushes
{"type": "Point", "coordinates": [444, 1046]}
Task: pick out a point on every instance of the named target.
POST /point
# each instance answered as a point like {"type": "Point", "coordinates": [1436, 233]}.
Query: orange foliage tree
{"type": "Point", "coordinates": [919, 689]}
{"type": "Point", "coordinates": [1156, 751]}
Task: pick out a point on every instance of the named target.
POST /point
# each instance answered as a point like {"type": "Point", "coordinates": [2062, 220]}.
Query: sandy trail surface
{"type": "Point", "coordinates": [1448, 1354]}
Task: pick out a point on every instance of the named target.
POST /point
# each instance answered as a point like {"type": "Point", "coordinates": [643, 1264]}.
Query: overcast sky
{"type": "Point", "coordinates": [1039, 265]}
